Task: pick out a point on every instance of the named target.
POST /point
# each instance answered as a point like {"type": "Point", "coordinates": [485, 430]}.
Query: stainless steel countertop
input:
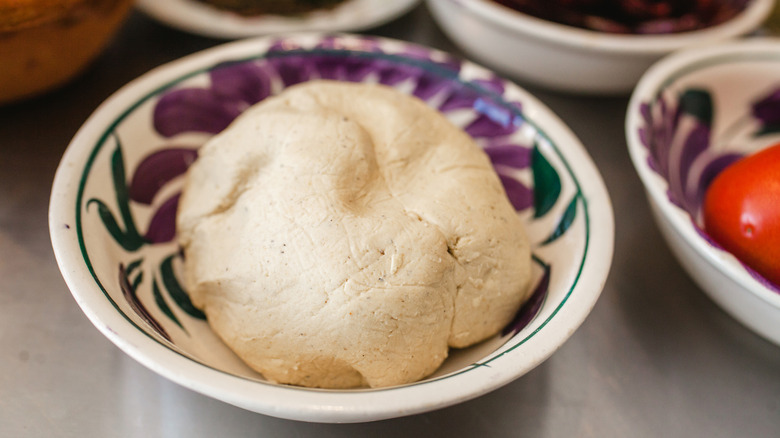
{"type": "Point", "coordinates": [655, 358]}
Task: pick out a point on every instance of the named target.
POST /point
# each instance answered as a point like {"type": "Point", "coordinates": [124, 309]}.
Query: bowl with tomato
{"type": "Point", "coordinates": [703, 132]}
{"type": "Point", "coordinates": [597, 47]}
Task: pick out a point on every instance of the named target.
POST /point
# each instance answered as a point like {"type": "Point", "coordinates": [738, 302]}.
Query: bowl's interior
{"type": "Point", "coordinates": [704, 115]}
{"type": "Point", "coordinates": [750, 17]}
{"type": "Point", "coordinates": [131, 187]}
{"type": "Point", "coordinates": [116, 190]}
{"type": "Point", "coordinates": [627, 18]}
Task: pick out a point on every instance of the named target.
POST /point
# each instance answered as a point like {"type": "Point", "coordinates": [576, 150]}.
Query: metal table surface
{"type": "Point", "coordinates": [655, 358]}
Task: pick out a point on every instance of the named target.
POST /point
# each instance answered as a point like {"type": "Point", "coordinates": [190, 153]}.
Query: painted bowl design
{"type": "Point", "coordinates": [113, 206]}
{"type": "Point", "coordinates": [691, 116]}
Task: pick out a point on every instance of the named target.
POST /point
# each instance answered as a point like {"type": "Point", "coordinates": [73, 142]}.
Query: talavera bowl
{"type": "Point", "coordinates": [115, 194]}
{"type": "Point", "coordinates": [567, 58]}
{"type": "Point", "coordinates": [691, 115]}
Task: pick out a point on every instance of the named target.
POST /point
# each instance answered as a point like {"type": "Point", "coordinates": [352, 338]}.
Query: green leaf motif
{"type": "Point", "coordinates": [565, 222]}
{"type": "Point", "coordinates": [138, 280]}
{"type": "Point", "coordinates": [176, 291]}
{"type": "Point", "coordinates": [132, 266]}
{"type": "Point", "coordinates": [158, 298]}
{"type": "Point", "coordinates": [547, 183]}
{"type": "Point", "coordinates": [129, 291]}
{"type": "Point", "coordinates": [698, 103]}
{"type": "Point", "coordinates": [768, 129]}
{"type": "Point", "coordinates": [128, 238]}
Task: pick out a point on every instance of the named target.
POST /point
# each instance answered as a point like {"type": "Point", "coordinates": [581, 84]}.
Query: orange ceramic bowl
{"type": "Point", "coordinates": [45, 43]}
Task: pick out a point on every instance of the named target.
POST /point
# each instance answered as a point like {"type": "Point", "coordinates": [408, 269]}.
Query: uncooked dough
{"type": "Point", "coordinates": [342, 235]}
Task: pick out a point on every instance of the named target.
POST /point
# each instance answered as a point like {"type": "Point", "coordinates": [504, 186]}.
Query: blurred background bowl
{"type": "Point", "coordinates": [691, 116]}
{"type": "Point", "coordinates": [567, 58]}
{"type": "Point", "coordinates": [200, 17]}
{"type": "Point", "coordinates": [45, 43]}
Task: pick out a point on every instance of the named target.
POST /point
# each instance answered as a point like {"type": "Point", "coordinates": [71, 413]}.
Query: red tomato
{"type": "Point", "coordinates": [742, 211]}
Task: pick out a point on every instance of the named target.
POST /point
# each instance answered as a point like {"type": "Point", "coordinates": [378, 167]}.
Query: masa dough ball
{"type": "Point", "coordinates": [341, 235]}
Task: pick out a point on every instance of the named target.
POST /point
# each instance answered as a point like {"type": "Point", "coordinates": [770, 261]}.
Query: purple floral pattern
{"type": "Point", "coordinates": [767, 112]}
{"type": "Point", "coordinates": [677, 132]}
{"type": "Point", "coordinates": [234, 87]}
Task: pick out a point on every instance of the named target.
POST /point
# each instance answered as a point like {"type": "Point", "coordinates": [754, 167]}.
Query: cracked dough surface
{"type": "Point", "coordinates": [341, 235]}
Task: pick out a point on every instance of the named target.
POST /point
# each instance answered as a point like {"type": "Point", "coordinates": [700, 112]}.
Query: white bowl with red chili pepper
{"type": "Point", "coordinates": [589, 47]}
{"type": "Point", "coordinates": [703, 131]}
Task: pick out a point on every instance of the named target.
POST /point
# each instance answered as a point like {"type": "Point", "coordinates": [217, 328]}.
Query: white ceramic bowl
{"type": "Point", "coordinates": [567, 58]}
{"type": "Point", "coordinates": [115, 191]}
{"type": "Point", "coordinates": [689, 117]}
{"type": "Point", "coordinates": [202, 19]}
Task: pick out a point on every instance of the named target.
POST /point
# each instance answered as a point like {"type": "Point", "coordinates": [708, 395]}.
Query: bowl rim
{"type": "Point", "coordinates": [589, 40]}
{"type": "Point", "coordinates": [202, 19]}
{"type": "Point", "coordinates": [304, 403]}
{"type": "Point", "coordinates": [660, 75]}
